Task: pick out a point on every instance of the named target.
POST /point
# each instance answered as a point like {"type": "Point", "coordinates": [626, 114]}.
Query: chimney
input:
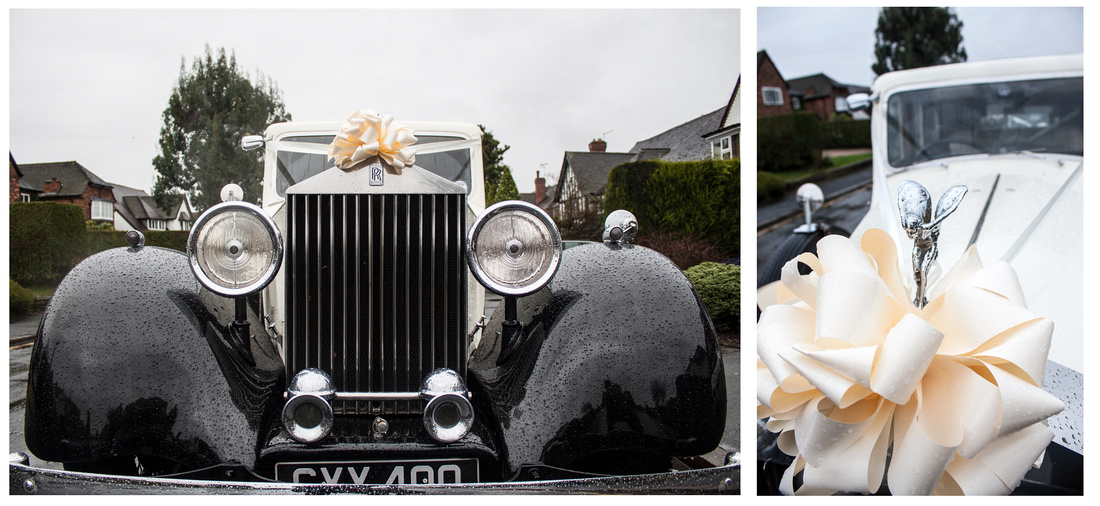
{"type": "Point", "coordinates": [540, 188]}
{"type": "Point", "coordinates": [597, 146]}
{"type": "Point", "coordinates": [51, 186]}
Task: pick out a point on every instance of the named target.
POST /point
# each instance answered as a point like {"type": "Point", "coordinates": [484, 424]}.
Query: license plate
{"type": "Point", "coordinates": [389, 472]}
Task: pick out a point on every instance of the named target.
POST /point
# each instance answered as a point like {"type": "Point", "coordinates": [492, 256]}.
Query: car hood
{"type": "Point", "coordinates": [1027, 209]}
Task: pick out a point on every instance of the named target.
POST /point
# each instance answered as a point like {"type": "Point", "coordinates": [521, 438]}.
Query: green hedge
{"type": "Point", "coordinates": [20, 299]}
{"type": "Point", "coordinates": [769, 187]}
{"type": "Point", "coordinates": [701, 198]}
{"type": "Point", "coordinates": [46, 240]}
{"type": "Point", "coordinates": [846, 133]}
{"type": "Point", "coordinates": [719, 285]}
{"type": "Point", "coordinates": [105, 240]}
{"type": "Point", "coordinates": [788, 142]}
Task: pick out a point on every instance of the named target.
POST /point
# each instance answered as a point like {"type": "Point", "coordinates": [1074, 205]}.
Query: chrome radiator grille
{"type": "Point", "coordinates": [376, 292]}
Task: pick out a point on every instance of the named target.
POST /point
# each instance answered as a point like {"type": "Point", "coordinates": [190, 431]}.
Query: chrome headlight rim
{"type": "Point", "coordinates": [479, 271]}
{"type": "Point", "coordinates": [270, 270]}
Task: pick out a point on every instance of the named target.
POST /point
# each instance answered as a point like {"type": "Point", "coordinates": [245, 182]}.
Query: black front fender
{"type": "Point", "coordinates": [618, 356]}
{"type": "Point", "coordinates": [132, 359]}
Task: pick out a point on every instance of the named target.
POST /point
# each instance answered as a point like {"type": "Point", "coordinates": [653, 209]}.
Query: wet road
{"type": "Point", "coordinates": [845, 212]}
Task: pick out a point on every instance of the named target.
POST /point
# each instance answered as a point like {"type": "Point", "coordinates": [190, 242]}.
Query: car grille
{"type": "Point", "coordinates": [376, 292]}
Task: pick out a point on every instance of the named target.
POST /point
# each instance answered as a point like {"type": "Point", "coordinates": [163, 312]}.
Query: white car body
{"type": "Point", "coordinates": [279, 137]}
{"type": "Point", "coordinates": [1034, 219]}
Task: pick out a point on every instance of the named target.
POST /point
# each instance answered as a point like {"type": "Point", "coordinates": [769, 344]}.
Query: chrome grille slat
{"type": "Point", "coordinates": [356, 272]}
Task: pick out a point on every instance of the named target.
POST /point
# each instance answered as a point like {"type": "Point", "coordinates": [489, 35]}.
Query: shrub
{"type": "Point", "coordinates": [105, 240]}
{"type": "Point", "coordinates": [843, 132]}
{"type": "Point", "coordinates": [47, 239]}
{"type": "Point", "coordinates": [719, 285]}
{"type": "Point", "coordinates": [21, 300]}
{"type": "Point", "coordinates": [700, 199]}
{"type": "Point", "coordinates": [626, 189]}
{"type": "Point", "coordinates": [769, 187]}
{"type": "Point", "coordinates": [684, 250]}
{"type": "Point", "coordinates": [788, 142]}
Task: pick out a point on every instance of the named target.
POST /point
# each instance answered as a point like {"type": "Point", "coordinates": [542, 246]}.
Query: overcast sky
{"type": "Point", "coordinates": [91, 85]}
{"type": "Point", "coordinates": [840, 42]}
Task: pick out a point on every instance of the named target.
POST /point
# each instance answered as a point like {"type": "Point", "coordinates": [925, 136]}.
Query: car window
{"type": "Point", "coordinates": [1036, 115]}
{"type": "Point", "coordinates": [293, 167]}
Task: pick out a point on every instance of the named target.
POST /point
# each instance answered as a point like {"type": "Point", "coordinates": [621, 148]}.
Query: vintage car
{"type": "Point", "coordinates": [333, 340]}
{"type": "Point", "coordinates": [1009, 134]}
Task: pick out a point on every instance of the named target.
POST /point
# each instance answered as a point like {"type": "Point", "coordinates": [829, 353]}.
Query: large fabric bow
{"type": "Point", "coordinates": [366, 134]}
{"type": "Point", "coordinates": [850, 370]}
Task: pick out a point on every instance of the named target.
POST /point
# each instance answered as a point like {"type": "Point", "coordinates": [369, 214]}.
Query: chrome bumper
{"type": "Point", "coordinates": [24, 479]}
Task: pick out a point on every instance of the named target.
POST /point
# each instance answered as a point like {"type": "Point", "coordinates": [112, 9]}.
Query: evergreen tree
{"type": "Point", "coordinates": [913, 37]}
{"type": "Point", "coordinates": [499, 184]}
{"type": "Point", "coordinates": [211, 107]}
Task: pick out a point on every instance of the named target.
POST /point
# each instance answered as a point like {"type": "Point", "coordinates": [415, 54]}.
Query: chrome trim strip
{"type": "Point", "coordinates": [985, 210]}
{"type": "Point", "coordinates": [377, 396]}
{"type": "Point", "coordinates": [24, 479]}
{"type": "Point", "coordinates": [1022, 239]}
{"type": "Point", "coordinates": [408, 296]}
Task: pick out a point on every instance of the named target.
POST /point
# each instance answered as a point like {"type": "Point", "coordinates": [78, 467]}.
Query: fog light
{"type": "Point", "coordinates": [307, 415]}
{"type": "Point", "coordinates": [449, 414]}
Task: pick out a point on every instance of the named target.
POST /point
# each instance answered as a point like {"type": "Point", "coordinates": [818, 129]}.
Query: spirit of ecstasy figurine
{"type": "Point", "coordinates": [916, 217]}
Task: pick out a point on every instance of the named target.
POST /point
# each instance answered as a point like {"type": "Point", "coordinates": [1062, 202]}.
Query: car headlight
{"type": "Point", "coordinates": [234, 249]}
{"type": "Point", "coordinates": [514, 248]}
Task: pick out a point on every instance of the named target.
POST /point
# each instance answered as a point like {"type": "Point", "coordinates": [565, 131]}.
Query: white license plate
{"type": "Point", "coordinates": [389, 472]}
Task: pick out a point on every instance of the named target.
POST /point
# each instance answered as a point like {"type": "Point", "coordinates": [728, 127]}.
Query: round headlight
{"type": "Point", "coordinates": [514, 248]}
{"type": "Point", "coordinates": [234, 249]}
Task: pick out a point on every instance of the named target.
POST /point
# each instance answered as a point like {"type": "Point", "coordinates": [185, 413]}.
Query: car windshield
{"type": "Point", "coordinates": [294, 167]}
{"type": "Point", "coordinates": [1005, 117]}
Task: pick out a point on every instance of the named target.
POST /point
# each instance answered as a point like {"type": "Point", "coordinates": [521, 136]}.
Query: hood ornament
{"type": "Point", "coordinates": [916, 218]}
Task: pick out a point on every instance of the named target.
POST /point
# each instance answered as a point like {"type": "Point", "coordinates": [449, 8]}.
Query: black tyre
{"type": "Point", "coordinates": [792, 246]}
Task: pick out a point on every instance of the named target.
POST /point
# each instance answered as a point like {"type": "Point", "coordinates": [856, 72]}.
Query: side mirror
{"type": "Point", "coordinates": [250, 142]}
{"type": "Point", "coordinates": [859, 101]}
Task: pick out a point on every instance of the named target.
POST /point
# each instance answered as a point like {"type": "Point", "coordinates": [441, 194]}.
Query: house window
{"type": "Point", "coordinates": [25, 197]}
{"type": "Point", "coordinates": [103, 210]}
{"type": "Point", "coordinates": [772, 95]}
{"type": "Point", "coordinates": [185, 225]}
{"type": "Point", "coordinates": [724, 148]}
{"type": "Point", "coordinates": [841, 104]}
{"type": "Point", "coordinates": [156, 224]}
{"type": "Point", "coordinates": [796, 103]}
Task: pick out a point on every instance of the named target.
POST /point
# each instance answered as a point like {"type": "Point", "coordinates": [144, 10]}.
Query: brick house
{"type": "Point", "coordinates": [137, 210]}
{"type": "Point", "coordinates": [773, 94]}
{"type": "Point", "coordinates": [71, 183]}
{"type": "Point", "coordinates": [825, 97]}
{"type": "Point", "coordinates": [583, 177]}
{"type": "Point", "coordinates": [543, 196]}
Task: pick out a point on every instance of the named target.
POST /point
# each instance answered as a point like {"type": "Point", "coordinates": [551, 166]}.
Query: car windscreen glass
{"type": "Point", "coordinates": [1042, 116]}
{"type": "Point", "coordinates": [293, 167]}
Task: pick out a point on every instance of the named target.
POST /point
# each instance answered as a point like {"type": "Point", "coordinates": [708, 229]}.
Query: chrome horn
{"type": "Point", "coordinates": [307, 415]}
{"type": "Point", "coordinates": [449, 414]}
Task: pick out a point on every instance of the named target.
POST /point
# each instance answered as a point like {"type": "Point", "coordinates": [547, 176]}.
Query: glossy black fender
{"type": "Point", "coordinates": [618, 360]}
{"type": "Point", "coordinates": [133, 359]}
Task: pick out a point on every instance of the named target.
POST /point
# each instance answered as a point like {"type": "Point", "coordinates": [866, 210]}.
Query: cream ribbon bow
{"type": "Point", "coordinates": [848, 368]}
{"type": "Point", "coordinates": [366, 134]}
